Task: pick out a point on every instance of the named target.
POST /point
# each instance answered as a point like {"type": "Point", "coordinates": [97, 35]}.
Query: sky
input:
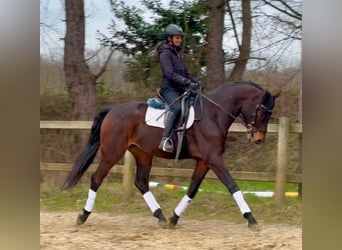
{"type": "Point", "coordinates": [52, 13]}
{"type": "Point", "coordinates": [99, 16]}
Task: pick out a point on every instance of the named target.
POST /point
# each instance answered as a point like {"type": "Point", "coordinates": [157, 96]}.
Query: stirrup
{"type": "Point", "coordinates": [166, 144]}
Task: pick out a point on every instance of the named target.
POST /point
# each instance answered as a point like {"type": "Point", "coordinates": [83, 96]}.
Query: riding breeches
{"type": "Point", "coordinates": [170, 95]}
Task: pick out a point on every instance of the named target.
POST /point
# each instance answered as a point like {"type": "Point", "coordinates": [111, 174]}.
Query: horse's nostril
{"type": "Point", "coordinates": [259, 141]}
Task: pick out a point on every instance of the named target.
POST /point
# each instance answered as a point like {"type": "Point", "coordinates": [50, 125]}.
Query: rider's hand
{"type": "Point", "coordinates": [200, 83]}
{"type": "Point", "coordinates": [195, 86]}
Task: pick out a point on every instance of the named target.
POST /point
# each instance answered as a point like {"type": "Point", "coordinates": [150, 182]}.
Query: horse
{"type": "Point", "coordinates": [122, 127]}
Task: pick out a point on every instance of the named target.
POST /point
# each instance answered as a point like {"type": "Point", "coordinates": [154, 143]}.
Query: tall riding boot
{"type": "Point", "coordinates": [166, 143]}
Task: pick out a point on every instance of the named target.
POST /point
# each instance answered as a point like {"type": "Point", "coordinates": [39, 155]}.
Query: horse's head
{"type": "Point", "coordinates": [256, 113]}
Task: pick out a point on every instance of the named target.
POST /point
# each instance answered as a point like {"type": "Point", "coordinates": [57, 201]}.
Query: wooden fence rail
{"type": "Point", "coordinates": [128, 170]}
{"type": "Point", "coordinates": [177, 172]}
{"type": "Point", "coordinates": [235, 127]}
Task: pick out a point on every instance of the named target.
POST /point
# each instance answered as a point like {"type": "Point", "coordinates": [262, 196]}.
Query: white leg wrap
{"type": "Point", "coordinates": [182, 205]}
{"type": "Point", "coordinates": [151, 201]}
{"type": "Point", "coordinates": [90, 201]}
{"type": "Point", "coordinates": [244, 208]}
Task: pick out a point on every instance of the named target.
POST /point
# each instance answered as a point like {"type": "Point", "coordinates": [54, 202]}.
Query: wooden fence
{"type": "Point", "coordinates": [128, 169]}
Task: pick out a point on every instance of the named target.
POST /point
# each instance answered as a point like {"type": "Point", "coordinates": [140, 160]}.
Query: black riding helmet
{"type": "Point", "coordinates": [173, 30]}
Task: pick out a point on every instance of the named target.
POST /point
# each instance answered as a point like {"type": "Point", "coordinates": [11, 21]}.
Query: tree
{"type": "Point", "coordinates": [245, 47]}
{"type": "Point", "coordinates": [214, 51]}
{"type": "Point", "coordinates": [277, 26]}
{"type": "Point", "coordinates": [288, 16]}
{"type": "Point", "coordinates": [140, 37]}
{"type": "Point", "coordinates": [80, 81]}
{"type": "Point", "coordinates": [203, 24]}
{"type": "Point", "coordinates": [253, 25]}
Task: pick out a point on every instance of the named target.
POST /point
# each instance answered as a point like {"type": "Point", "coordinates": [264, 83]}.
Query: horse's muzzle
{"type": "Point", "coordinates": [259, 137]}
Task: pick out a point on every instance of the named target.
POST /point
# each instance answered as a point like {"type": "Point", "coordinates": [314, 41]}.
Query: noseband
{"type": "Point", "coordinates": [251, 124]}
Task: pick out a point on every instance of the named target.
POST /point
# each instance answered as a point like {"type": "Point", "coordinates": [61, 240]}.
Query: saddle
{"type": "Point", "coordinates": [157, 112]}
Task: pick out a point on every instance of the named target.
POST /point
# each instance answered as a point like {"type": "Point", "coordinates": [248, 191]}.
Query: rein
{"type": "Point", "coordinates": [168, 107]}
{"type": "Point", "coordinates": [238, 118]}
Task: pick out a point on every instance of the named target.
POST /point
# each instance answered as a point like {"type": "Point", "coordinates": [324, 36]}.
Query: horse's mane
{"type": "Point", "coordinates": [221, 92]}
{"type": "Point", "coordinates": [230, 85]}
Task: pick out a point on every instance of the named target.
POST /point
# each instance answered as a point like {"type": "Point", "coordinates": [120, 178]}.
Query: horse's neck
{"type": "Point", "coordinates": [232, 99]}
{"type": "Point", "coordinates": [229, 101]}
{"type": "Point", "coordinates": [230, 107]}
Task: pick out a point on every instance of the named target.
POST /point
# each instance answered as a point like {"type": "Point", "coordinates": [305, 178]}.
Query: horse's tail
{"type": "Point", "coordinates": [87, 155]}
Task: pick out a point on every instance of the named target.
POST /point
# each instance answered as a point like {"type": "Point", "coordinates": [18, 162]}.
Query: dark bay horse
{"type": "Point", "coordinates": [122, 127]}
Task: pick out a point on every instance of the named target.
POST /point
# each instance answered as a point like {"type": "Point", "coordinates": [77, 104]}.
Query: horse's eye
{"type": "Point", "coordinates": [261, 115]}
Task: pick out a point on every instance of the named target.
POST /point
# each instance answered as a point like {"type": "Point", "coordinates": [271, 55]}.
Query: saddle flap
{"type": "Point", "coordinates": [155, 117]}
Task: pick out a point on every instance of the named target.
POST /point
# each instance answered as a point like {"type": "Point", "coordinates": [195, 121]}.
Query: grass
{"type": "Point", "coordinates": [213, 202]}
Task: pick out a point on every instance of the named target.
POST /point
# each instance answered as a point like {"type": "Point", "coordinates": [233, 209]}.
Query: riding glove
{"type": "Point", "coordinates": [194, 85]}
{"type": "Point", "coordinates": [200, 83]}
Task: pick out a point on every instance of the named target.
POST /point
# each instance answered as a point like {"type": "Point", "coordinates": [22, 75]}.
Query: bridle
{"type": "Point", "coordinates": [254, 115]}
{"type": "Point", "coordinates": [240, 118]}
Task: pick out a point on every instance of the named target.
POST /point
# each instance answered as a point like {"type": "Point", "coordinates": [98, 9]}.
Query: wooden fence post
{"type": "Point", "coordinates": [282, 160]}
{"type": "Point", "coordinates": [300, 171]}
{"type": "Point", "coordinates": [128, 174]}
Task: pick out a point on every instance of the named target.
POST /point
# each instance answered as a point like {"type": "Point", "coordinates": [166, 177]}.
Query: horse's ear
{"type": "Point", "coordinates": [266, 96]}
{"type": "Point", "coordinates": [277, 94]}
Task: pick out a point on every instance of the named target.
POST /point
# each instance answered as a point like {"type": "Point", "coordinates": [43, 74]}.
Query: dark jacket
{"type": "Point", "coordinates": [172, 63]}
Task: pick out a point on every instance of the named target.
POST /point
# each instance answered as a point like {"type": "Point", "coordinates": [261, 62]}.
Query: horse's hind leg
{"type": "Point", "coordinates": [107, 162]}
{"type": "Point", "coordinates": [144, 162]}
{"type": "Point", "coordinates": [197, 177]}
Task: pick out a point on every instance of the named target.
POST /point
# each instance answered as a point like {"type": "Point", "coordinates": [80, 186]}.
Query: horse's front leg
{"type": "Point", "coordinates": [144, 163]}
{"type": "Point", "coordinates": [198, 175]}
{"type": "Point", "coordinates": [217, 165]}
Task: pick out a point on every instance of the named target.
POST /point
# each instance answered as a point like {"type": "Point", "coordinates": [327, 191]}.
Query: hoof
{"type": "Point", "coordinates": [171, 226]}
{"type": "Point", "coordinates": [161, 218]}
{"type": "Point", "coordinates": [254, 226]}
{"type": "Point", "coordinates": [163, 223]}
{"type": "Point", "coordinates": [80, 220]}
{"type": "Point", "coordinates": [173, 221]}
{"type": "Point", "coordinates": [252, 223]}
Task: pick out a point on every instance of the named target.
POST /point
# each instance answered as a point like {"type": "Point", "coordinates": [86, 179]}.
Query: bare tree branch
{"type": "Point", "coordinates": [92, 56]}
{"type": "Point", "coordinates": [271, 44]}
{"type": "Point", "coordinates": [291, 9]}
{"type": "Point", "coordinates": [234, 60]}
{"type": "Point", "coordinates": [280, 20]}
{"type": "Point", "coordinates": [103, 69]}
{"type": "Point", "coordinates": [298, 17]}
{"type": "Point", "coordinates": [233, 24]}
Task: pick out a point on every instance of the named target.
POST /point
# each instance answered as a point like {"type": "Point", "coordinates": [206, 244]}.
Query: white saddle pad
{"type": "Point", "coordinates": [155, 117]}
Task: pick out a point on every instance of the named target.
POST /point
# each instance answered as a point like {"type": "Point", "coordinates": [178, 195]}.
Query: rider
{"type": "Point", "coordinates": [175, 79]}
